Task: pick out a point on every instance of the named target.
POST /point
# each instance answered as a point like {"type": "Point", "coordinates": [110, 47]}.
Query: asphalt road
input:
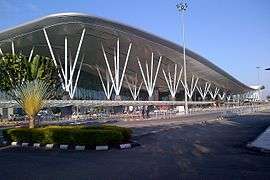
{"type": "Point", "coordinates": [215, 150]}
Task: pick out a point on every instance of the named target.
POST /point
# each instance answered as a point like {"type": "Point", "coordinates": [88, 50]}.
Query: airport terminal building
{"type": "Point", "coordinates": [100, 59]}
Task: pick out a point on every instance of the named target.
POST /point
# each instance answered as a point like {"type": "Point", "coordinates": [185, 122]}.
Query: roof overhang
{"type": "Point", "coordinates": [100, 30]}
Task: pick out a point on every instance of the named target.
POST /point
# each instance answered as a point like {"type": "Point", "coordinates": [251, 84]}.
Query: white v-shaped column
{"type": "Point", "coordinates": [173, 83]}
{"type": "Point", "coordinates": [117, 79]}
{"type": "Point", "coordinates": [203, 91]}
{"type": "Point", "coordinates": [228, 97]}
{"type": "Point", "coordinates": [222, 96]}
{"type": "Point", "coordinates": [68, 73]}
{"type": "Point", "coordinates": [214, 93]}
{"type": "Point", "coordinates": [149, 81]}
{"type": "Point", "coordinates": [190, 90]}
{"type": "Point", "coordinates": [133, 86]}
{"type": "Point", "coordinates": [108, 88]}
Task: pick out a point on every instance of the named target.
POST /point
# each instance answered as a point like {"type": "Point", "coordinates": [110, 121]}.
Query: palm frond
{"type": "Point", "coordinates": [31, 96]}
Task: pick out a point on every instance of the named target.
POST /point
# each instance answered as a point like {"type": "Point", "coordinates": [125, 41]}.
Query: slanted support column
{"type": "Point", "coordinates": [108, 88]}
{"type": "Point", "coordinates": [50, 47]}
{"type": "Point", "coordinates": [134, 87]}
{"type": "Point", "coordinates": [12, 48]}
{"type": "Point", "coordinates": [190, 90]}
{"type": "Point", "coordinates": [222, 96]}
{"type": "Point", "coordinates": [173, 83]}
{"type": "Point", "coordinates": [31, 54]}
{"type": "Point", "coordinates": [74, 88]}
{"type": "Point", "coordinates": [214, 93]}
{"type": "Point", "coordinates": [203, 91]}
{"type": "Point", "coordinates": [148, 76]}
{"type": "Point", "coordinates": [117, 79]}
{"type": "Point", "coordinates": [1, 52]}
{"type": "Point", "coordinates": [76, 57]}
{"type": "Point", "coordinates": [228, 97]}
{"type": "Point", "coordinates": [66, 73]}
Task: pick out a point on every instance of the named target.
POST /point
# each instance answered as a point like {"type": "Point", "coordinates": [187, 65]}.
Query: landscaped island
{"type": "Point", "coordinates": [72, 135]}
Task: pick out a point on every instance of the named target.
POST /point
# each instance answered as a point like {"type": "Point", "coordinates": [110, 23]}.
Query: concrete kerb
{"type": "Point", "coordinates": [102, 148]}
{"type": "Point", "coordinates": [25, 144]}
{"type": "Point", "coordinates": [14, 143]}
{"type": "Point", "coordinates": [80, 148]}
{"type": "Point", "coordinates": [63, 146]}
{"type": "Point", "coordinates": [68, 147]}
{"type": "Point", "coordinates": [257, 143]}
{"type": "Point", "coordinates": [36, 145]}
{"type": "Point", "coordinates": [49, 146]}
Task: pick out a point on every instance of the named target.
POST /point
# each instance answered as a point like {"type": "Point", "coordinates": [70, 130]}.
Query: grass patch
{"type": "Point", "coordinates": [79, 135]}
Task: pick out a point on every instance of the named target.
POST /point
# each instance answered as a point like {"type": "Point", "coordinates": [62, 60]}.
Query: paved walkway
{"type": "Point", "coordinates": [262, 141]}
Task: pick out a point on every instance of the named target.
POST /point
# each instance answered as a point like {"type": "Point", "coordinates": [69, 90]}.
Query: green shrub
{"type": "Point", "coordinates": [6, 135]}
{"type": "Point", "coordinates": [24, 135]}
{"type": "Point", "coordinates": [37, 135]}
{"type": "Point", "coordinates": [126, 132]}
{"type": "Point", "coordinates": [96, 135]}
{"type": "Point", "coordinates": [58, 136]}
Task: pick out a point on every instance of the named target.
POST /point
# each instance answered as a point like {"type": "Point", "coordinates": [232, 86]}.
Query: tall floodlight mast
{"type": "Point", "coordinates": [182, 7]}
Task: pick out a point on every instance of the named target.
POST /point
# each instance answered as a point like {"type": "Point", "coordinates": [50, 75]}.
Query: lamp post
{"type": "Point", "coordinates": [258, 68]}
{"type": "Point", "coordinates": [260, 93]}
{"type": "Point", "coordinates": [267, 69]}
{"type": "Point", "coordinates": [182, 7]}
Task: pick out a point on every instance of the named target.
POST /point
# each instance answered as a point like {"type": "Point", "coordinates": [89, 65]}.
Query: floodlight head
{"type": "Point", "coordinates": [182, 6]}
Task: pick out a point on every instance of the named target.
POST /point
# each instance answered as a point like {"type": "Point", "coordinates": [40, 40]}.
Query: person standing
{"type": "Point", "coordinates": [147, 111]}
{"type": "Point", "coordinates": [143, 112]}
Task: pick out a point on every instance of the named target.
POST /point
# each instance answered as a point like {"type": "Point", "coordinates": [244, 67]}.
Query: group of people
{"type": "Point", "coordinates": [145, 112]}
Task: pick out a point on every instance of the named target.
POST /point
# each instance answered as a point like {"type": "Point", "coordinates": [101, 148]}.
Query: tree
{"type": "Point", "coordinates": [16, 69]}
{"type": "Point", "coordinates": [12, 71]}
{"type": "Point", "coordinates": [31, 96]}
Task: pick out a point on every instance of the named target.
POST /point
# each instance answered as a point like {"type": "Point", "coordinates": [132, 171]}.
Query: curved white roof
{"type": "Point", "coordinates": [100, 30]}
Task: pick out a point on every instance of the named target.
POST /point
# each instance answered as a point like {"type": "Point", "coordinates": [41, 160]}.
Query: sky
{"type": "Point", "coordinates": [233, 34]}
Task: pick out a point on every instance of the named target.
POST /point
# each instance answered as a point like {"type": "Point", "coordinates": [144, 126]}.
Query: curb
{"type": "Point", "coordinates": [14, 144]}
{"type": "Point", "coordinates": [258, 149]}
{"type": "Point", "coordinates": [80, 148]}
{"type": "Point", "coordinates": [63, 146]}
{"type": "Point", "coordinates": [69, 147]}
{"type": "Point", "coordinates": [36, 145]}
{"type": "Point", "coordinates": [125, 146]}
{"type": "Point", "coordinates": [102, 148]}
{"type": "Point", "coordinates": [49, 146]}
{"type": "Point", "coordinates": [25, 144]}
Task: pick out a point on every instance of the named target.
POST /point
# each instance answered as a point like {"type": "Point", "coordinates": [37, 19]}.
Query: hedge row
{"type": "Point", "coordinates": [98, 135]}
{"type": "Point", "coordinates": [126, 132]}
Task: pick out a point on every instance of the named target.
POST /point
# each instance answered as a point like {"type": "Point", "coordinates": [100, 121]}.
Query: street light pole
{"type": "Point", "coordinates": [260, 93]}
{"type": "Point", "coordinates": [182, 7]}
{"type": "Point", "coordinates": [267, 69]}
{"type": "Point", "coordinates": [258, 68]}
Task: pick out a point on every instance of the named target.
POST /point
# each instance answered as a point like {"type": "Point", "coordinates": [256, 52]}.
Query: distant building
{"type": "Point", "coordinates": [256, 94]}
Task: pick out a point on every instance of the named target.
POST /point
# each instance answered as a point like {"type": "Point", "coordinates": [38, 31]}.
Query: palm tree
{"type": "Point", "coordinates": [31, 97]}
